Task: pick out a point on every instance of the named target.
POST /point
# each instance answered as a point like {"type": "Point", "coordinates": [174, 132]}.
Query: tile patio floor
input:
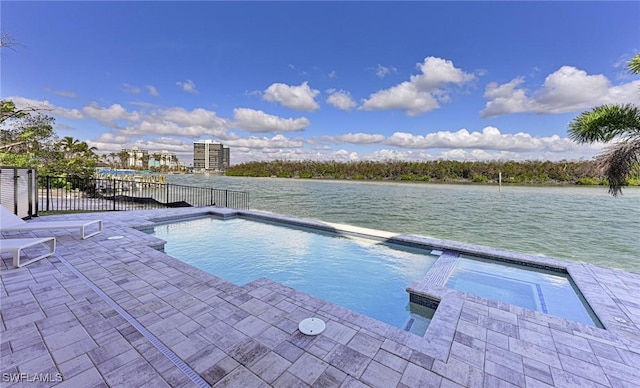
{"type": "Point", "coordinates": [58, 327]}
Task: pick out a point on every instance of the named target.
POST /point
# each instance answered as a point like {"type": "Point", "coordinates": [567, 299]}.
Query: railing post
{"type": "Point", "coordinates": [226, 198]}
{"type": "Point", "coordinates": [166, 185]}
{"type": "Point", "coordinates": [37, 198]}
{"type": "Point", "coordinates": [114, 194]}
{"type": "Point", "coordinates": [30, 192]}
{"type": "Point", "coordinates": [48, 187]}
{"type": "Point", "coordinates": [15, 191]}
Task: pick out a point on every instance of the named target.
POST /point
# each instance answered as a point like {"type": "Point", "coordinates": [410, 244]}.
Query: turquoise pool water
{"type": "Point", "coordinates": [363, 275]}
{"type": "Point", "coordinates": [549, 292]}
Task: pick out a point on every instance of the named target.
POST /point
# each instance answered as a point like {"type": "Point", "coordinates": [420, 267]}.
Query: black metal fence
{"type": "Point", "coordinates": [73, 194]}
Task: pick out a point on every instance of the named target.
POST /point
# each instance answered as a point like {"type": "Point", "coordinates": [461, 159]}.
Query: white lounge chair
{"type": "Point", "coordinates": [9, 222]}
{"type": "Point", "coordinates": [16, 245]}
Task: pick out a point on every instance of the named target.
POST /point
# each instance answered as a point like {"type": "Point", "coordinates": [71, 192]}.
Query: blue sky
{"type": "Point", "coordinates": [323, 80]}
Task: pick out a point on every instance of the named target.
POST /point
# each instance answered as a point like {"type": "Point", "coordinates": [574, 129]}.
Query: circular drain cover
{"type": "Point", "coordinates": [115, 237]}
{"type": "Point", "coordinates": [311, 326]}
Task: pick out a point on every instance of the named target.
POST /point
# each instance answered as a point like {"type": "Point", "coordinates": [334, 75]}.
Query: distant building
{"type": "Point", "coordinates": [137, 158]}
{"type": "Point", "coordinates": [209, 156]}
{"type": "Point", "coordinates": [164, 159]}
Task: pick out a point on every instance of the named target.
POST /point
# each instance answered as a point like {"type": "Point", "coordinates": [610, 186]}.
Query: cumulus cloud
{"type": "Point", "coordinates": [489, 139]}
{"type": "Point", "coordinates": [180, 122]}
{"type": "Point", "coordinates": [188, 86]}
{"type": "Point", "coordinates": [340, 99]}
{"type": "Point", "coordinates": [277, 141]}
{"type": "Point", "coordinates": [436, 73]}
{"type": "Point", "coordinates": [566, 90]}
{"type": "Point", "coordinates": [411, 155]}
{"type": "Point", "coordinates": [111, 114]}
{"type": "Point", "coordinates": [300, 97]}
{"type": "Point", "coordinates": [198, 116]}
{"type": "Point", "coordinates": [404, 96]}
{"type": "Point", "coordinates": [257, 121]}
{"type": "Point", "coordinates": [46, 107]}
{"type": "Point", "coordinates": [356, 138]}
{"type": "Point", "coordinates": [423, 92]}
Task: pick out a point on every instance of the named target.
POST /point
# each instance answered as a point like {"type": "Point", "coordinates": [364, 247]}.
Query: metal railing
{"type": "Point", "coordinates": [18, 190]}
{"type": "Point", "coordinates": [74, 194]}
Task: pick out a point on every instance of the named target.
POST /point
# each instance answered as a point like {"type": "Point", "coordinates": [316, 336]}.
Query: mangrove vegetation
{"type": "Point", "coordinates": [527, 172]}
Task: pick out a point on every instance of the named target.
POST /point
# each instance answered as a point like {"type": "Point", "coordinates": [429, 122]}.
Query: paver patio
{"type": "Point", "coordinates": [117, 312]}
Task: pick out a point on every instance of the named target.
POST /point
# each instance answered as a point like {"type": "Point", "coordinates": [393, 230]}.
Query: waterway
{"type": "Point", "coordinates": [573, 223]}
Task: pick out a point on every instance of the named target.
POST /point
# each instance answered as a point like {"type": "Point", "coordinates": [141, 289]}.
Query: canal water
{"type": "Point", "coordinates": [574, 223]}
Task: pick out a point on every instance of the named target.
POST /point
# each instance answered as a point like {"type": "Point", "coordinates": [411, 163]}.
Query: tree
{"type": "Point", "coordinates": [124, 158]}
{"type": "Point", "coordinates": [619, 124]}
{"type": "Point", "coordinates": [26, 136]}
{"type": "Point", "coordinates": [77, 158]}
{"type": "Point", "coordinates": [69, 146]}
{"type": "Point", "coordinates": [156, 160]}
{"type": "Point", "coordinates": [7, 40]}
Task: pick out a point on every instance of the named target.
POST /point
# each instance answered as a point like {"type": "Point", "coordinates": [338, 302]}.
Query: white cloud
{"type": "Point", "coordinates": [195, 117]}
{"type": "Point", "coordinates": [152, 90]}
{"type": "Point", "coordinates": [356, 138]}
{"type": "Point", "coordinates": [383, 71]}
{"type": "Point", "coordinates": [174, 121]}
{"type": "Point", "coordinates": [345, 156]}
{"type": "Point", "coordinates": [423, 91]}
{"type": "Point", "coordinates": [436, 73]}
{"type": "Point", "coordinates": [341, 100]}
{"type": "Point", "coordinates": [567, 90]}
{"type": "Point", "coordinates": [385, 154]}
{"type": "Point", "coordinates": [62, 93]}
{"type": "Point", "coordinates": [257, 121]}
{"type": "Point", "coordinates": [131, 89]}
{"type": "Point", "coordinates": [404, 96]}
{"type": "Point", "coordinates": [300, 97]}
{"type": "Point", "coordinates": [278, 141]}
{"type": "Point", "coordinates": [489, 139]}
{"type": "Point", "coordinates": [188, 86]}
{"type": "Point", "coordinates": [111, 114]}
{"type": "Point", "coordinates": [46, 107]}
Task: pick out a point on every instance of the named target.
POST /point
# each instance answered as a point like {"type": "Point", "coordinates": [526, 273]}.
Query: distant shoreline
{"type": "Point", "coordinates": [433, 182]}
{"type": "Point", "coordinates": [528, 173]}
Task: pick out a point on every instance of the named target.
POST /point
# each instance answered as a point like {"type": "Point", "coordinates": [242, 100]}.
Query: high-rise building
{"type": "Point", "coordinates": [209, 156]}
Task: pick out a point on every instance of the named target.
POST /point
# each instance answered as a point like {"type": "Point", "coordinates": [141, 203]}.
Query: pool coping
{"type": "Point", "coordinates": [466, 341]}
{"type": "Point", "coordinates": [432, 284]}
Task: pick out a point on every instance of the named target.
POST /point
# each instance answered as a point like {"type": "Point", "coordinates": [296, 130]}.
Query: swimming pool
{"type": "Point", "coordinates": [367, 276]}
{"type": "Point", "coordinates": [547, 291]}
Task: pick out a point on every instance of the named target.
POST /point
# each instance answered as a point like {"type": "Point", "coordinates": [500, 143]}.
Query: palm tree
{"type": "Point", "coordinates": [69, 146]}
{"type": "Point", "coordinates": [607, 123]}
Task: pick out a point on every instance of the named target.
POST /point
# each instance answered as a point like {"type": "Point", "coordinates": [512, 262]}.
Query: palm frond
{"type": "Point", "coordinates": [617, 161]}
{"type": "Point", "coordinates": [605, 123]}
{"type": "Point", "coordinates": [634, 64]}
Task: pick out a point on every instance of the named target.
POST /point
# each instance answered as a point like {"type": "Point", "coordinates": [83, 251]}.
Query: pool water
{"type": "Point", "coordinates": [367, 276]}
{"type": "Point", "coordinates": [536, 289]}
